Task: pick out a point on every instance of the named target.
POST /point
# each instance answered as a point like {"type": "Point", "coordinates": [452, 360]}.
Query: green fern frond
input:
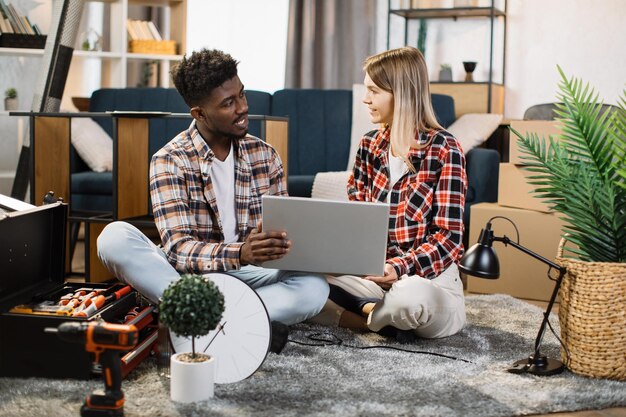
{"type": "Point", "coordinates": [619, 137]}
{"type": "Point", "coordinates": [582, 174]}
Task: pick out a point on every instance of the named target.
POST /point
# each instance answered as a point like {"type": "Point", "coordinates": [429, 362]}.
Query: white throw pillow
{"type": "Point", "coordinates": [331, 185]}
{"type": "Point", "coordinates": [473, 129]}
{"type": "Point", "coordinates": [361, 123]}
{"type": "Point", "coordinates": [93, 144]}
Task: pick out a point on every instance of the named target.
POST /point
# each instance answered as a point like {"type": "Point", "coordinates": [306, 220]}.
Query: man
{"type": "Point", "coordinates": [206, 186]}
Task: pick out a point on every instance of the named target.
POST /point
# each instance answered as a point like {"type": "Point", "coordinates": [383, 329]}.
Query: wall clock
{"type": "Point", "coordinates": [242, 339]}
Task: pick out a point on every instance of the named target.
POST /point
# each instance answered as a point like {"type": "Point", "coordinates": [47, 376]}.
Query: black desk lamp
{"type": "Point", "coordinates": [481, 261]}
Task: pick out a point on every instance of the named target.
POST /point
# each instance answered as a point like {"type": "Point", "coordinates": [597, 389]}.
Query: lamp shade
{"type": "Point", "coordinates": [481, 260]}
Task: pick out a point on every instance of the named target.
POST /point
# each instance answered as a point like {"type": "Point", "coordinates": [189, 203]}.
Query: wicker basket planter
{"type": "Point", "coordinates": [592, 315]}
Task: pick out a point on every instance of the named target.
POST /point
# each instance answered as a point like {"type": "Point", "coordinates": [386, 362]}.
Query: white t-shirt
{"type": "Point", "coordinates": [397, 168]}
{"type": "Point", "coordinates": [223, 179]}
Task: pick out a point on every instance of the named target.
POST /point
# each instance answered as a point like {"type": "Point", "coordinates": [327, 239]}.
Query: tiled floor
{"type": "Point", "coordinates": [78, 266]}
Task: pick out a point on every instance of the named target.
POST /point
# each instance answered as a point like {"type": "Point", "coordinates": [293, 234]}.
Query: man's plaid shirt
{"type": "Point", "coordinates": [184, 204]}
{"type": "Point", "coordinates": [426, 210]}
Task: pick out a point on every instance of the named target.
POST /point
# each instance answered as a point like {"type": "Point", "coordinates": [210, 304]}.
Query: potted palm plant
{"type": "Point", "coordinates": [191, 307]}
{"type": "Point", "coordinates": [10, 99]}
{"type": "Point", "coordinates": [581, 175]}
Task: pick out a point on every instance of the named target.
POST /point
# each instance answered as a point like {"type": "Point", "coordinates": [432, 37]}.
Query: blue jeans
{"type": "Point", "coordinates": [289, 297]}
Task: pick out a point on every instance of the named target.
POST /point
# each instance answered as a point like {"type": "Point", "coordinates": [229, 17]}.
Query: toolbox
{"type": "Point", "coordinates": [32, 287]}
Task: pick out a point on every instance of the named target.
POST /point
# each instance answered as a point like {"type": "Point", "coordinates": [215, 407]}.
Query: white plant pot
{"type": "Point", "coordinates": [10, 104]}
{"type": "Point", "coordinates": [191, 381]}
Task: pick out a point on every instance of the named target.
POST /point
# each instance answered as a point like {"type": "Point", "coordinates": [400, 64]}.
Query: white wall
{"type": "Point", "coordinates": [254, 32]}
{"type": "Point", "coordinates": [586, 38]}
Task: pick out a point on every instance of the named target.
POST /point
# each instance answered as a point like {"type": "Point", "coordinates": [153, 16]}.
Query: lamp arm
{"type": "Point", "coordinates": [504, 239]}
{"type": "Point", "coordinates": [562, 270]}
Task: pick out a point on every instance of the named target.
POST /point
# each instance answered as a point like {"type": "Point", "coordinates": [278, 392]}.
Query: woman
{"type": "Point", "coordinates": [416, 166]}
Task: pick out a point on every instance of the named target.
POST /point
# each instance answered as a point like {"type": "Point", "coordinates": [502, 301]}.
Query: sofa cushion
{"type": "Point", "coordinates": [89, 182]}
{"type": "Point", "coordinates": [92, 191]}
{"type": "Point", "coordinates": [472, 129]}
{"type": "Point", "coordinates": [319, 128]}
{"type": "Point", "coordinates": [331, 185]}
{"type": "Point", "coordinates": [443, 107]}
{"type": "Point", "coordinates": [259, 103]}
{"type": "Point", "coordinates": [300, 185]}
{"type": "Point", "coordinates": [483, 168]}
{"type": "Point", "coordinates": [91, 203]}
{"type": "Point", "coordinates": [92, 143]}
{"type": "Point", "coordinates": [361, 122]}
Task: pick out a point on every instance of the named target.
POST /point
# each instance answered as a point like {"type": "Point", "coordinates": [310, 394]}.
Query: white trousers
{"type": "Point", "coordinates": [432, 308]}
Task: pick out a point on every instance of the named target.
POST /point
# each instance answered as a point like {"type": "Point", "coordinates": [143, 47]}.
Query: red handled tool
{"type": "Point", "coordinates": [93, 304]}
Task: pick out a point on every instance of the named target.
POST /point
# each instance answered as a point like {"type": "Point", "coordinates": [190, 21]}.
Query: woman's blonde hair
{"type": "Point", "coordinates": [403, 73]}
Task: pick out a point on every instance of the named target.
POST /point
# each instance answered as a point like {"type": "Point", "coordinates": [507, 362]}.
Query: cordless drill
{"type": "Point", "coordinates": [105, 341]}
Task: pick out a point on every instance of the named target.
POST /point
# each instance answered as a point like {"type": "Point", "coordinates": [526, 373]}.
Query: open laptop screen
{"type": "Point", "coordinates": [334, 237]}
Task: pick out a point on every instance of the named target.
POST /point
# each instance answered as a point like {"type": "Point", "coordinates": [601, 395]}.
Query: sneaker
{"type": "Point", "coordinates": [280, 336]}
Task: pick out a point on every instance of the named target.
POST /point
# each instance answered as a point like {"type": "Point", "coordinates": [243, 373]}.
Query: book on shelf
{"type": "Point", "coordinates": [130, 28]}
{"type": "Point", "coordinates": [12, 21]}
{"type": "Point", "coordinates": [28, 25]}
{"type": "Point", "coordinates": [5, 26]}
{"type": "Point", "coordinates": [154, 31]}
{"type": "Point", "coordinates": [142, 30]}
{"type": "Point", "coordinates": [15, 17]}
{"type": "Point", "coordinates": [145, 30]}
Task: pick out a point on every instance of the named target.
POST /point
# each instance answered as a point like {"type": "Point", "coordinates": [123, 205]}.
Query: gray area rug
{"type": "Point", "coordinates": [343, 381]}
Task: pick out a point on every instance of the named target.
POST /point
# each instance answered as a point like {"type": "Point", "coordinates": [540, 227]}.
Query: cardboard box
{"type": "Point", "coordinates": [514, 190]}
{"type": "Point", "coordinates": [543, 129]}
{"type": "Point", "coordinates": [521, 275]}
{"type": "Point", "coordinates": [32, 284]}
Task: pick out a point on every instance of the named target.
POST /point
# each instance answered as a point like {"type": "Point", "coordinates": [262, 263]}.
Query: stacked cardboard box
{"type": "Point", "coordinates": [539, 229]}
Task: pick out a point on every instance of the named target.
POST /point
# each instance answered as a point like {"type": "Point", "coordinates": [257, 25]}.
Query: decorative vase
{"type": "Point", "coordinates": [11, 104]}
{"type": "Point", "coordinates": [445, 74]}
{"type": "Point", "coordinates": [469, 66]}
{"type": "Point", "coordinates": [592, 316]}
{"type": "Point", "coordinates": [191, 381]}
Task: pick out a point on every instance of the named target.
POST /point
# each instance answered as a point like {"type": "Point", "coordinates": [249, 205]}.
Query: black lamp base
{"type": "Point", "coordinates": [542, 366]}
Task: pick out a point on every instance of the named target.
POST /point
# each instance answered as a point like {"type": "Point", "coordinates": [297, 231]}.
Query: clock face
{"type": "Point", "coordinates": [241, 341]}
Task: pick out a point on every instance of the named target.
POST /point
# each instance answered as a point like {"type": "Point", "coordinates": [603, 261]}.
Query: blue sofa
{"type": "Point", "coordinates": [319, 138]}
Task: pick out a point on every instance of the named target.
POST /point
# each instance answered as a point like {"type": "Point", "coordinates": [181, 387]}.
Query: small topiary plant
{"type": "Point", "coordinates": [191, 307]}
{"type": "Point", "coordinates": [10, 93]}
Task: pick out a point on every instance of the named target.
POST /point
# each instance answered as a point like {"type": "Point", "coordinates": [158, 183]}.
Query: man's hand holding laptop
{"type": "Point", "coordinates": [263, 246]}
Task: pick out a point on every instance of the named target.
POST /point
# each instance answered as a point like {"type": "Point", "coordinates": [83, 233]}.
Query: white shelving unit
{"type": "Point", "coordinates": [114, 66]}
{"type": "Point", "coordinates": [470, 97]}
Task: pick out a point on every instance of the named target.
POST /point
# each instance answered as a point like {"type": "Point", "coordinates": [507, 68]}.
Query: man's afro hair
{"type": "Point", "coordinates": [195, 77]}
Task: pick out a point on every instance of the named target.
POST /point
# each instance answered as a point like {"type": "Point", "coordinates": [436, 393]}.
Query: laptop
{"type": "Point", "coordinates": [327, 236]}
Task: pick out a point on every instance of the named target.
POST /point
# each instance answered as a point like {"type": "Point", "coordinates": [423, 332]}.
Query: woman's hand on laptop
{"type": "Point", "coordinates": [262, 246]}
{"type": "Point", "coordinates": [386, 281]}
